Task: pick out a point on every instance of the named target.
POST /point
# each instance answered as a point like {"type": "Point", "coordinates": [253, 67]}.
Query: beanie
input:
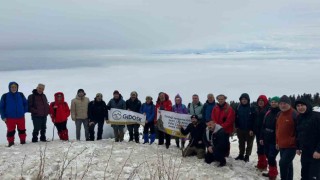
{"type": "Point", "coordinates": [285, 99]}
{"type": "Point", "coordinates": [275, 98]}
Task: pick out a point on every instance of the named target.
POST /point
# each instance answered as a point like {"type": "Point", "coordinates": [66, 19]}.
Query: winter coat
{"type": "Point", "coordinates": [196, 109]}
{"type": "Point", "coordinates": [38, 104]}
{"type": "Point", "coordinates": [308, 130]}
{"type": "Point", "coordinates": [261, 112]}
{"type": "Point", "coordinates": [224, 116]}
{"type": "Point", "coordinates": [133, 105]}
{"type": "Point", "coordinates": [79, 108]}
{"type": "Point", "coordinates": [13, 105]}
{"type": "Point", "coordinates": [206, 110]}
{"type": "Point", "coordinates": [59, 111]}
{"type": "Point", "coordinates": [149, 109]}
{"type": "Point", "coordinates": [180, 108]}
{"type": "Point", "coordinates": [165, 105]}
{"type": "Point", "coordinates": [97, 111]}
{"type": "Point", "coordinates": [219, 139]}
{"type": "Point", "coordinates": [117, 103]}
{"type": "Point", "coordinates": [268, 130]}
{"type": "Point", "coordinates": [245, 115]}
{"type": "Point", "coordinates": [197, 133]}
{"type": "Point", "coordinates": [286, 129]}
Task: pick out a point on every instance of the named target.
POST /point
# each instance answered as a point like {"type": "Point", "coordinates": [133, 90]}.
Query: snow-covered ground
{"type": "Point", "coordinates": [108, 160]}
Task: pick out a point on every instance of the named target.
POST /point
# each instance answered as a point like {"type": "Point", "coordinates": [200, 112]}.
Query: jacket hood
{"type": "Point", "coordinates": [178, 96]}
{"type": "Point", "coordinates": [56, 96]}
{"type": "Point", "coordinates": [246, 96]}
{"type": "Point", "coordinates": [165, 95]}
{"type": "Point", "coordinates": [15, 84]}
{"type": "Point", "coordinates": [305, 102]}
{"type": "Point", "coordinates": [35, 92]}
{"type": "Point", "coordinates": [265, 100]}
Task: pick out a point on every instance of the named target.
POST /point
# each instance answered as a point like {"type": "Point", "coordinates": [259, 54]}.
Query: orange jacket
{"type": "Point", "coordinates": [286, 129]}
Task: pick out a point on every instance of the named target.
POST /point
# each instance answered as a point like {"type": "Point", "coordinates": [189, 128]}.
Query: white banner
{"type": "Point", "coordinates": [168, 122]}
{"type": "Point", "coordinates": [123, 117]}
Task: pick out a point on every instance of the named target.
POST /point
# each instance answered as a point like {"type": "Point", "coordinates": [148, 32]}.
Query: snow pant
{"type": "Point", "coordinates": [39, 124]}
{"type": "Point", "coordinates": [12, 123]}
{"type": "Point", "coordinates": [192, 151]}
{"type": "Point", "coordinates": [85, 123]}
{"type": "Point", "coordinates": [133, 132]}
{"type": "Point", "coordinates": [147, 127]}
{"type": "Point", "coordinates": [62, 130]}
{"type": "Point", "coordinates": [271, 153]}
{"type": "Point", "coordinates": [100, 130]}
{"type": "Point", "coordinates": [118, 132]}
{"type": "Point", "coordinates": [215, 156]}
{"type": "Point", "coordinates": [286, 167]}
{"type": "Point", "coordinates": [162, 136]}
{"type": "Point", "coordinates": [244, 137]}
{"type": "Point", "coordinates": [310, 167]}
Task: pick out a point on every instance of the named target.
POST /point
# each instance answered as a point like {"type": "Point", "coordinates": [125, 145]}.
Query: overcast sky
{"type": "Point", "coordinates": [157, 25]}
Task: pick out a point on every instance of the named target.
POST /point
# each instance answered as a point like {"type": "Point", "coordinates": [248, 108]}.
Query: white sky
{"type": "Point", "coordinates": [157, 25]}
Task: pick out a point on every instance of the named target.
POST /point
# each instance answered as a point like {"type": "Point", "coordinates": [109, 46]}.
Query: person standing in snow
{"type": "Point", "coordinates": [263, 107]}
{"type": "Point", "coordinates": [163, 103]}
{"type": "Point", "coordinates": [133, 104]}
{"type": "Point", "coordinates": [59, 113]}
{"type": "Point", "coordinates": [217, 143]}
{"type": "Point", "coordinates": [180, 108]}
{"type": "Point", "coordinates": [286, 137]}
{"type": "Point", "coordinates": [197, 130]}
{"type": "Point", "coordinates": [196, 107]}
{"type": "Point", "coordinates": [13, 106]}
{"type": "Point", "coordinates": [268, 138]}
{"type": "Point", "coordinates": [97, 113]}
{"type": "Point", "coordinates": [245, 116]}
{"type": "Point", "coordinates": [117, 102]}
{"type": "Point", "coordinates": [308, 139]}
{"type": "Point", "coordinates": [39, 108]}
{"type": "Point", "coordinates": [224, 115]}
{"type": "Point", "coordinates": [79, 113]}
{"type": "Point", "coordinates": [207, 108]}
{"type": "Point", "coordinates": [148, 109]}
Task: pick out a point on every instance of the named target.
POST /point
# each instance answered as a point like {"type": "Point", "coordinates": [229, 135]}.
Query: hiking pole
{"type": "Point", "coordinates": [54, 120]}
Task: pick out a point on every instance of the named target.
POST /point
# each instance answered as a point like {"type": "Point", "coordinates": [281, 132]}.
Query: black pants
{"type": "Point", "coordinates": [215, 156]}
{"type": "Point", "coordinates": [260, 148]}
{"type": "Point", "coordinates": [271, 153]}
{"type": "Point", "coordinates": [162, 136]}
{"type": "Point", "coordinates": [310, 167]}
{"type": "Point", "coordinates": [286, 166]}
{"type": "Point", "coordinates": [133, 131]}
{"type": "Point", "coordinates": [39, 124]}
{"type": "Point", "coordinates": [61, 126]}
{"type": "Point", "coordinates": [100, 130]}
{"type": "Point", "coordinates": [147, 127]}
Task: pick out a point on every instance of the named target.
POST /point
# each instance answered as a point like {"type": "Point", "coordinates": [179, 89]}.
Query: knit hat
{"type": "Point", "coordinates": [99, 95]}
{"type": "Point", "coordinates": [225, 97]}
{"type": "Point", "coordinates": [275, 98]}
{"type": "Point", "coordinates": [194, 116]}
{"type": "Point", "coordinates": [116, 92]}
{"type": "Point", "coordinates": [285, 99]}
{"type": "Point", "coordinates": [81, 90]}
{"type": "Point", "coordinates": [149, 98]}
{"type": "Point", "coordinates": [134, 92]}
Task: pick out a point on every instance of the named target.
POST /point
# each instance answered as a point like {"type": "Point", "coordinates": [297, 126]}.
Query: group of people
{"type": "Point", "coordinates": [276, 126]}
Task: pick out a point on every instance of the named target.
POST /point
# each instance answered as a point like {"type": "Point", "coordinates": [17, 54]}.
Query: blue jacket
{"type": "Point", "coordinates": [149, 109]}
{"type": "Point", "coordinates": [13, 105]}
{"type": "Point", "coordinates": [207, 110]}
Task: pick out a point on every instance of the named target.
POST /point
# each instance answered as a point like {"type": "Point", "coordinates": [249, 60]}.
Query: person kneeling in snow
{"type": "Point", "coordinates": [219, 144]}
{"type": "Point", "coordinates": [197, 131]}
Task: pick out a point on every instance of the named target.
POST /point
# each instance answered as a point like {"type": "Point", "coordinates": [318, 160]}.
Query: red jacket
{"type": "Point", "coordinates": [165, 105]}
{"type": "Point", "coordinates": [224, 116]}
{"type": "Point", "coordinates": [286, 129]}
{"type": "Point", "coordinates": [62, 111]}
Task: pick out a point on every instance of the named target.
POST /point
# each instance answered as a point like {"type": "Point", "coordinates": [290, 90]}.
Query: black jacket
{"type": "Point", "coordinates": [97, 111]}
{"type": "Point", "coordinates": [259, 119]}
{"type": "Point", "coordinates": [308, 130]}
{"type": "Point", "coordinates": [133, 105]}
{"type": "Point", "coordinates": [196, 134]}
{"type": "Point", "coordinates": [268, 130]}
{"type": "Point", "coordinates": [219, 140]}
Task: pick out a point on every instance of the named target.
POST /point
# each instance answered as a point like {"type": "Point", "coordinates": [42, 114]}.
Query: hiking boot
{"type": "Point", "coordinates": [22, 142]}
{"type": "Point", "coordinates": [10, 144]}
{"type": "Point", "coordinates": [246, 158]}
{"type": "Point", "coordinates": [222, 164]}
{"type": "Point", "coordinates": [240, 157]}
{"type": "Point", "coordinates": [167, 146]}
{"type": "Point", "coordinates": [265, 174]}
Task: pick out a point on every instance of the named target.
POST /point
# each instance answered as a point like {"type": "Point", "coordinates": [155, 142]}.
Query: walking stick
{"type": "Point", "coordinates": [54, 120]}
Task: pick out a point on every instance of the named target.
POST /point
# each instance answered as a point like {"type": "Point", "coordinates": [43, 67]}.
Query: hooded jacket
{"type": "Point", "coordinates": [117, 103]}
{"type": "Point", "coordinates": [38, 104]}
{"type": "Point", "coordinates": [13, 105]}
{"type": "Point", "coordinates": [224, 115]}
{"type": "Point", "coordinates": [165, 105]}
{"type": "Point", "coordinates": [79, 108]}
{"type": "Point", "coordinates": [207, 109]}
{"type": "Point", "coordinates": [261, 112]}
{"type": "Point", "coordinates": [59, 111]}
{"type": "Point", "coordinates": [245, 115]}
{"type": "Point", "coordinates": [219, 139]}
{"type": "Point", "coordinates": [308, 130]}
{"type": "Point", "coordinates": [150, 111]}
{"type": "Point", "coordinates": [179, 108]}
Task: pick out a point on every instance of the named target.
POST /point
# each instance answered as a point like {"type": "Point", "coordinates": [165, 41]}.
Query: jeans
{"type": "Point", "coordinates": [85, 123]}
